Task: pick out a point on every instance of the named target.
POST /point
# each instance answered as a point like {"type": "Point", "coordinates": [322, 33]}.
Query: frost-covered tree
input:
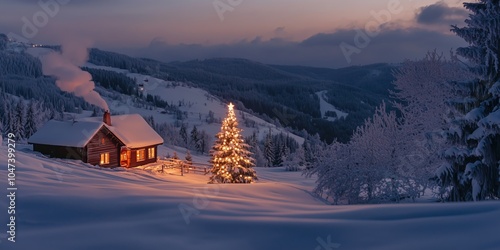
{"type": "Point", "coordinates": [367, 169]}
{"type": "Point", "coordinates": [19, 119]}
{"type": "Point", "coordinates": [423, 89]}
{"type": "Point", "coordinates": [183, 134]}
{"type": "Point", "coordinates": [472, 169]}
{"type": "Point", "coordinates": [4, 113]}
{"type": "Point", "coordinates": [256, 150]}
{"type": "Point", "coordinates": [232, 162]}
{"type": "Point", "coordinates": [33, 114]}
{"type": "Point", "coordinates": [279, 150]}
{"type": "Point", "coordinates": [195, 139]}
{"type": "Point", "coordinates": [393, 157]}
{"type": "Point", "coordinates": [269, 148]}
{"type": "Point", "coordinates": [294, 161]}
{"type": "Point", "coordinates": [11, 123]}
{"type": "Point", "coordinates": [175, 156]}
{"type": "Point", "coordinates": [312, 146]}
{"type": "Point", "coordinates": [204, 141]}
{"type": "Point", "coordinates": [189, 158]}
{"type": "Point", "coordinates": [3, 41]}
{"type": "Point", "coordinates": [260, 160]}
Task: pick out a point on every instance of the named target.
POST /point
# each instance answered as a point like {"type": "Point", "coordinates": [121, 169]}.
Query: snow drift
{"type": "Point", "coordinates": [70, 205]}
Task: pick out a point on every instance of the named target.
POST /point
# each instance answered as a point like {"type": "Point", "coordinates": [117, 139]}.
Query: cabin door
{"type": "Point", "coordinates": [125, 157]}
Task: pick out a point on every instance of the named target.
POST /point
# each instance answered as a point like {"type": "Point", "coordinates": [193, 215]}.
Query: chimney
{"type": "Point", "coordinates": [106, 118]}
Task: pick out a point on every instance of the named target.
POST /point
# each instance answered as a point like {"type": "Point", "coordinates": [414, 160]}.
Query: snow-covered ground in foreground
{"type": "Point", "coordinates": [325, 107]}
{"type": "Point", "coordinates": [69, 205]}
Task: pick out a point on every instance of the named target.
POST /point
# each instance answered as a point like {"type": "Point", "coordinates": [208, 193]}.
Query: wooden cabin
{"type": "Point", "coordinates": [110, 141]}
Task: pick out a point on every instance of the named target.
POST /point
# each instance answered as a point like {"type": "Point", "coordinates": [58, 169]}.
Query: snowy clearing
{"type": "Point", "coordinates": [326, 107]}
{"type": "Point", "coordinates": [65, 204]}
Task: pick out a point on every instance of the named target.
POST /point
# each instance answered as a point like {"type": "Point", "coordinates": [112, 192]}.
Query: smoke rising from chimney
{"type": "Point", "coordinates": [65, 67]}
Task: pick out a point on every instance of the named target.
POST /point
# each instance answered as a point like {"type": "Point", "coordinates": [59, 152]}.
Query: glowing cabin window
{"type": "Point", "coordinates": [104, 158]}
{"type": "Point", "coordinates": [141, 155]}
{"type": "Point", "coordinates": [151, 153]}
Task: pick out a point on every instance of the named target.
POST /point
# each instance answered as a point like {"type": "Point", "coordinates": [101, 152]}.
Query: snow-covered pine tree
{"type": "Point", "coordinates": [31, 119]}
{"type": "Point", "coordinates": [203, 144]}
{"type": "Point", "coordinates": [194, 139]}
{"type": "Point", "coordinates": [295, 161]}
{"type": "Point", "coordinates": [269, 149]}
{"type": "Point", "coordinates": [292, 161]}
{"type": "Point", "coordinates": [189, 158]}
{"type": "Point", "coordinates": [260, 160]}
{"type": "Point", "coordinates": [19, 121]}
{"type": "Point", "coordinates": [183, 134]}
{"type": "Point", "coordinates": [232, 162]}
{"type": "Point", "coordinates": [279, 150]}
{"type": "Point", "coordinates": [312, 146]}
{"type": "Point", "coordinates": [472, 170]}
{"type": "Point", "coordinates": [255, 148]}
{"type": "Point", "coordinates": [175, 156]}
{"type": "Point", "coordinates": [4, 113]}
{"type": "Point", "coordinates": [307, 152]}
{"type": "Point", "coordinates": [252, 141]}
{"type": "Point", "coordinates": [94, 113]}
{"type": "Point", "coordinates": [9, 122]}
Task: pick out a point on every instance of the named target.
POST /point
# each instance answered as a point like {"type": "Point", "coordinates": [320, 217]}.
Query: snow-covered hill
{"type": "Point", "coordinates": [64, 204]}
{"type": "Point", "coordinates": [196, 102]}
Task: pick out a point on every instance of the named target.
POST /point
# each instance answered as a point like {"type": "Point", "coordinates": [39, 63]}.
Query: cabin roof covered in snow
{"type": "Point", "coordinates": [65, 133]}
{"type": "Point", "coordinates": [132, 130]}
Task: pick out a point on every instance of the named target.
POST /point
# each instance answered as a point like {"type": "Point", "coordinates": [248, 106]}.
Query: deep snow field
{"type": "Point", "coordinates": [64, 204]}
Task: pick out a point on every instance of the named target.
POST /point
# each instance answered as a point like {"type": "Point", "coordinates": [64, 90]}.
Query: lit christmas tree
{"type": "Point", "coordinates": [232, 162]}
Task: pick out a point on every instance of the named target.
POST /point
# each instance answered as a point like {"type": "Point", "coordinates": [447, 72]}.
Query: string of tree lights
{"type": "Point", "coordinates": [231, 160]}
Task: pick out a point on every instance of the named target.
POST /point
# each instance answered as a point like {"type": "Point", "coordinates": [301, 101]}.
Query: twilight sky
{"type": "Point", "coordinates": [315, 32]}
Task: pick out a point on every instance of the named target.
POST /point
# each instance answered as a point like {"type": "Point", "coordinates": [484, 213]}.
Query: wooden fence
{"type": "Point", "coordinates": [185, 167]}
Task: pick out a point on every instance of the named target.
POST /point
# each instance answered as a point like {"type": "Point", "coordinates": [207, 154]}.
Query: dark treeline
{"type": "Point", "coordinates": [43, 89]}
{"type": "Point", "coordinates": [115, 60]}
{"type": "Point", "coordinates": [20, 64]}
{"type": "Point", "coordinates": [113, 80]}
